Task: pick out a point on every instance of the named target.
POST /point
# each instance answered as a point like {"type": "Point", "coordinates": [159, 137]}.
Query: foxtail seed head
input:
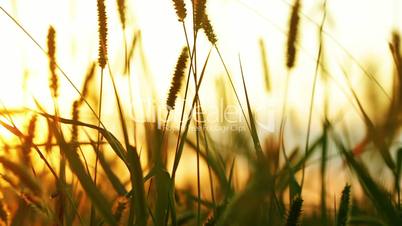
{"type": "Point", "coordinates": [177, 78]}
{"type": "Point", "coordinates": [102, 30]}
{"type": "Point", "coordinates": [293, 35]}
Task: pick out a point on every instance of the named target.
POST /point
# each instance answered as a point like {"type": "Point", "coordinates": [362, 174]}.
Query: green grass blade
{"type": "Point", "coordinates": [23, 174]}
{"type": "Point", "coordinates": [253, 128]}
{"type": "Point", "coordinates": [138, 200]}
{"type": "Point", "coordinates": [114, 143]}
{"type": "Point", "coordinates": [163, 186]}
{"type": "Point", "coordinates": [183, 138]}
{"type": "Point", "coordinates": [113, 178]}
{"type": "Point", "coordinates": [78, 169]}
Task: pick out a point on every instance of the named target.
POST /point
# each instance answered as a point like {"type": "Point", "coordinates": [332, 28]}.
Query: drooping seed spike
{"type": "Point", "coordinates": [121, 6]}
{"type": "Point", "coordinates": [209, 30]}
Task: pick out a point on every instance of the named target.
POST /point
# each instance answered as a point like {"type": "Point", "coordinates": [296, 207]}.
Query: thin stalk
{"type": "Point", "coordinates": [99, 139]}
{"type": "Point", "coordinates": [317, 66]}
{"type": "Point", "coordinates": [198, 165]}
{"type": "Point", "coordinates": [233, 87]}
{"type": "Point", "coordinates": [60, 201]}
{"type": "Point", "coordinates": [284, 114]}
{"type": "Point", "coordinates": [165, 125]}
{"type": "Point", "coordinates": [130, 88]}
{"type": "Point", "coordinates": [185, 99]}
{"type": "Point", "coordinates": [99, 121]}
{"type": "Point", "coordinates": [207, 154]}
{"type": "Point", "coordinates": [200, 108]}
{"type": "Point", "coordinates": [195, 31]}
{"type": "Point", "coordinates": [324, 153]}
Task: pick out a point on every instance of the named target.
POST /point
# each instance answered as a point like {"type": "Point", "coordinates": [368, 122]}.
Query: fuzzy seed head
{"type": "Point", "coordinates": [343, 213]}
{"type": "Point", "coordinates": [27, 145]}
{"type": "Point", "coordinates": [209, 31]}
{"type": "Point", "coordinates": [199, 7]}
{"type": "Point", "coordinates": [294, 212]}
{"type": "Point", "coordinates": [121, 5]}
{"type": "Point", "coordinates": [180, 8]}
{"type": "Point", "coordinates": [293, 35]}
{"type": "Point", "coordinates": [88, 78]}
{"type": "Point", "coordinates": [51, 51]}
{"type": "Point", "coordinates": [102, 30]}
{"type": "Point", "coordinates": [177, 78]}
{"type": "Point", "coordinates": [75, 116]}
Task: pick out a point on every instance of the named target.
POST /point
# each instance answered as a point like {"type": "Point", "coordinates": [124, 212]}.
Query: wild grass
{"type": "Point", "coordinates": [79, 172]}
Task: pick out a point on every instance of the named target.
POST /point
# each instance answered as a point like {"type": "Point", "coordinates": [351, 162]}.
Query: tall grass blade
{"type": "Point", "coordinates": [138, 200]}
{"type": "Point", "coordinates": [254, 134]}
{"type": "Point", "coordinates": [265, 67]}
{"type": "Point", "coordinates": [76, 166]}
